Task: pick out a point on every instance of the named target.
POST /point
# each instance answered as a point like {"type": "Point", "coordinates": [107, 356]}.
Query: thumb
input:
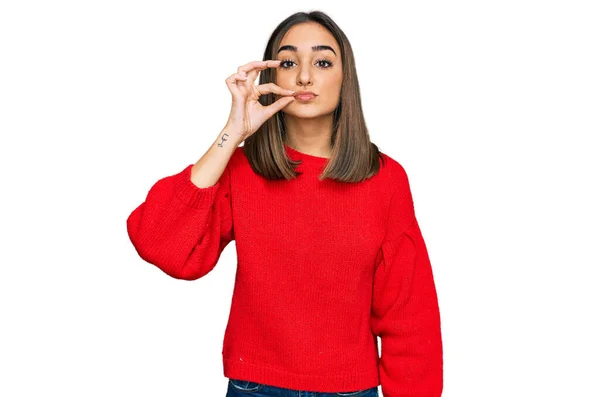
{"type": "Point", "coordinates": [279, 104]}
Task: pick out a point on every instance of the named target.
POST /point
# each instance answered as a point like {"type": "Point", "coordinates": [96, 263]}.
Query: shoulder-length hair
{"type": "Point", "coordinates": [354, 158]}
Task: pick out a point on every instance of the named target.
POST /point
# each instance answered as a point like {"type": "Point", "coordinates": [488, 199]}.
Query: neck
{"type": "Point", "coordinates": [311, 135]}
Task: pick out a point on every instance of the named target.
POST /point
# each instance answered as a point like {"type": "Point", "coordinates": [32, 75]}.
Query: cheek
{"type": "Point", "coordinates": [284, 81]}
{"type": "Point", "coordinates": [333, 88]}
{"type": "Point", "coordinates": [334, 84]}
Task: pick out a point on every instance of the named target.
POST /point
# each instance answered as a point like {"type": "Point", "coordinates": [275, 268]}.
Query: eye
{"type": "Point", "coordinates": [322, 62]}
{"type": "Point", "coordinates": [285, 61]}
{"type": "Point", "coordinates": [327, 62]}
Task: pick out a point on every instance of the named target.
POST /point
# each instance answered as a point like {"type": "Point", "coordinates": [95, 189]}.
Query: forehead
{"type": "Point", "coordinates": [306, 35]}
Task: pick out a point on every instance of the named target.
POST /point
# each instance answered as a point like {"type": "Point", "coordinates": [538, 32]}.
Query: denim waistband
{"type": "Point", "coordinates": [244, 388]}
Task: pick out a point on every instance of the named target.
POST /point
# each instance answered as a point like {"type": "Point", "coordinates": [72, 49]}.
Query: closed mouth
{"type": "Point", "coordinates": [305, 95]}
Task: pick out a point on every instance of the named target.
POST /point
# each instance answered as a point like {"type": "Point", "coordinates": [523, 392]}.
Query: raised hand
{"type": "Point", "coordinates": [247, 113]}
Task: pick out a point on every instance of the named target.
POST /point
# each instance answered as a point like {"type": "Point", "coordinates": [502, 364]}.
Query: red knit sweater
{"type": "Point", "coordinates": [323, 268]}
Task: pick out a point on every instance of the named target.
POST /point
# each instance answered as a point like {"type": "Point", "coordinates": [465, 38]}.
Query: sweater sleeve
{"type": "Point", "coordinates": [181, 228]}
{"type": "Point", "coordinates": [405, 313]}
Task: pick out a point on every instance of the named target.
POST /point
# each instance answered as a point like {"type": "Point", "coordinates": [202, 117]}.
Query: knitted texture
{"type": "Point", "coordinates": [323, 268]}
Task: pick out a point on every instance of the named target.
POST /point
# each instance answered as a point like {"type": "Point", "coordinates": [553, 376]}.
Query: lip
{"type": "Point", "coordinates": [305, 95]}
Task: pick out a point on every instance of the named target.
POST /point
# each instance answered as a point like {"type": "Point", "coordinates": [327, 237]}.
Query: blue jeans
{"type": "Point", "coordinates": [243, 388]}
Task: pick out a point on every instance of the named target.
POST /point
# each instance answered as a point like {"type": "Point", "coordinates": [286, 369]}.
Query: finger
{"type": "Point", "coordinates": [232, 83]}
{"type": "Point", "coordinates": [279, 104]}
{"type": "Point", "coordinates": [274, 88]}
{"type": "Point", "coordinates": [231, 80]}
{"type": "Point", "coordinates": [235, 77]}
{"type": "Point", "coordinates": [253, 68]}
{"type": "Point", "coordinates": [258, 65]}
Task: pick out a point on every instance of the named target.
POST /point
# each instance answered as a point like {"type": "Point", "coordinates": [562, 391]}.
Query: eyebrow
{"type": "Point", "coordinates": [314, 48]}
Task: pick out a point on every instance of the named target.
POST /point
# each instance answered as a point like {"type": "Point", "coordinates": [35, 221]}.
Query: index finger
{"type": "Point", "coordinates": [259, 65]}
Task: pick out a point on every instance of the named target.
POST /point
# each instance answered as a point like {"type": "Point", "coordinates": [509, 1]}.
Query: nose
{"type": "Point", "coordinates": [304, 77]}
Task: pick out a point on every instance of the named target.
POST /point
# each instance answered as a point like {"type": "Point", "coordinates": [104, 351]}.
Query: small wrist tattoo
{"type": "Point", "coordinates": [223, 139]}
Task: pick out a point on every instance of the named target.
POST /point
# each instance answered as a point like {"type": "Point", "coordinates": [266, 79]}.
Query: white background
{"type": "Point", "coordinates": [491, 107]}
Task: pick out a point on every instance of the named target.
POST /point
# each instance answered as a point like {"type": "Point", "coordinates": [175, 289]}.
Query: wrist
{"type": "Point", "coordinates": [232, 134]}
{"type": "Point", "coordinates": [228, 138]}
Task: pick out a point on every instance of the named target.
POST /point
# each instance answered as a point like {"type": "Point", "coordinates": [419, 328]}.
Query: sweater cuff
{"type": "Point", "coordinates": [192, 195]}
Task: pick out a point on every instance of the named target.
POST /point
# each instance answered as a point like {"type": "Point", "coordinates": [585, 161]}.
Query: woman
{"type": "Point", "coordinates": [330, 254]}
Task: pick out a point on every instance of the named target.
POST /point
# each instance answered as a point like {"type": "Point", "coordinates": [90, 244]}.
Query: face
{"type": "Point", "coordinates": [304, 68]}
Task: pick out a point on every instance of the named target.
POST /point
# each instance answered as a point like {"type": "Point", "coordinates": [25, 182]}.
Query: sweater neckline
{"type": "Point", "coordinates": [307, 159]}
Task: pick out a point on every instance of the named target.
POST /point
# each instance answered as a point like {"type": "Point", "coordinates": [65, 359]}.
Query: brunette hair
{"type": "Point", "coordinates": [354, 156]}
